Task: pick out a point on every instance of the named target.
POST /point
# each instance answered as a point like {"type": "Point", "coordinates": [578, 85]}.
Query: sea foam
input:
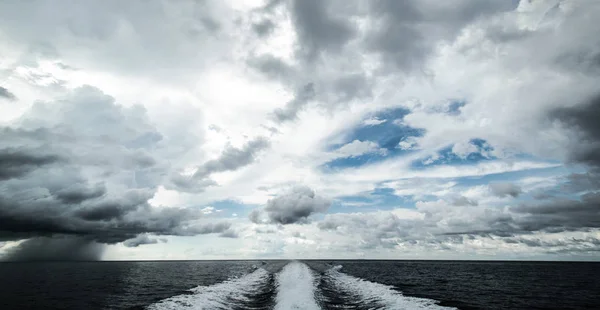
{"type": "Point", "coordinates": [372, 293]}
{"type": "Point", "coordinates": [296, 288]}
{"type": "Point", "coordinates": [218, 296]}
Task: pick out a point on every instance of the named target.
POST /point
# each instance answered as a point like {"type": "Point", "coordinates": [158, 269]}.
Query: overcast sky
{"type": "Point", "coordinates": [463, 129]}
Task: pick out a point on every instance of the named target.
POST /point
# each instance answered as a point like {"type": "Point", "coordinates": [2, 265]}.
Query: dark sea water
{"type": "Point", "coordinates": [282, 285]}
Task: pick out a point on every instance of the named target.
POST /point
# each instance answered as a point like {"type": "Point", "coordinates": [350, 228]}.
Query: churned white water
{"type": "Point", "coordinates": [296, 289]}
{"type": "Point", "coordinates": [369, 293]}
{"type": "Point", "coordinates": [296, 286]}
{"type": "Point", "coordinates": [218, 296]}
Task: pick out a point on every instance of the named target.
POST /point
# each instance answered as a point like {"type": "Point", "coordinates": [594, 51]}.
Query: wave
{"type": "Point", "coordinates": [225, 295]}
{"type": "Point", "coordinates": [296, 286]}
{"type": "Point", "coordinates": [375, 295]}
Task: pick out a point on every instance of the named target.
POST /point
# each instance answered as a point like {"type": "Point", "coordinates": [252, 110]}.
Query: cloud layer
{"type": "Point", "coordinates": [220, 129]}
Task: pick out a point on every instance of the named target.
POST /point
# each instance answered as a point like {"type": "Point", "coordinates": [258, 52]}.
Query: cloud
{"type": "Point", "coordinates": [230, 159]}
{"type": "Point", "coordinates": [263, 28]}
{"type": "Point", "coordinates": [373, 121]}
{"type": "Point", "coordinates": [464, 201]}
{"type": "Point", "coordinates": [357, 148]}
{"type": "Point", "coordinates": [560, 214]}
{"type": "Point", "coordinates": [18, 162]}
{"type": "Point", "coordinates": [505, 189]}
{"type": "Point", "coordinates": [294, 206]}
{"type": "Point", "coordinates": [210, 228]}
{"type": "Point", "coordinates": [582, 120]}
{"type": "Point", "coordinates": [375, 229]}
{"type": "Point", "coordinates": [380, 104]}
{"type": "Point", "coordinates": [84, 166]}
{"type": "Point", "coordinates": [208, 210]}
{"type": "Point", "coordinates": [272, 67]}
{"type": "Point", "coordinates": [317, 29]}
{"type": "Point", "coordinates": [78, 193]}
{"type": "Point", "coordinates": [229, 233]}
{"type": "Point", "coordinates": [255, 216]}
{"type": "Point", "coordinates": [233, 158]}
{"type": "Point", "coordinates": [436, 227]}
{"type": "Point", "coordinates": [463, 150]}
{"type": "Point", "coordinates": [139, 240]}
{"type": "Point", "coordinates": [405, 32]}
{"type": "Point", "coordinates": [293, 107]}
{"type": "Point", "coordinates": [60, 248]}
{"type": "Point", "coordinates": [4, 93]}
{"type": "Point", "coordinates": [94, 41]}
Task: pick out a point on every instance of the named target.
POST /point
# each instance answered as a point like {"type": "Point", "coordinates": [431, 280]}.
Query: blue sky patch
{"type": "Point", "coordinates": [230, 206]}
{"type": "Point", "coordinates": [446, 156]}
{"type": "Point", "coordinates": [354, 161]}
{"type": "Point", "coordinates": [451, 107]}
{"type": "Point", "coordinates": [379, 199]}
{"type": "Point", "coordinates": [454, 107]}
{"type": "Point", "coordinates": [512, 176]}
{"type": "Point", "coordinates": [387, 135]}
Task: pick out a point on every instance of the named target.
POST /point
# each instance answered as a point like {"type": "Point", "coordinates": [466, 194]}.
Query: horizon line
{"type": "Point", "coordinates": [307, 259]}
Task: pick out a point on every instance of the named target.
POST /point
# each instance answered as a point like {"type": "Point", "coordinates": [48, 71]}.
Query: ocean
{"type": "Point", "coordinates": [310, 284]}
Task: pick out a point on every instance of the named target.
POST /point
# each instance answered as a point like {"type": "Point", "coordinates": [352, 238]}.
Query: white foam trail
{"type": "Point", "coordinates": [296, 288]}
{"type": "Point", "coordinates": [368, 292]}
{"type": "Point", "coordinates": [218, 296]}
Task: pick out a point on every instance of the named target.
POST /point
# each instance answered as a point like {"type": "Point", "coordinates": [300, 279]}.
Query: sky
{"type": "Point", "coordinates": [150, 130]}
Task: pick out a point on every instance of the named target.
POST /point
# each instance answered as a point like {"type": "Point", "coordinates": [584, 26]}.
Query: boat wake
{"type": "Point", "coordinates": [240, 293]}
{"type": "Point", "coordinates": [362, 294]}
{"type": "Point", "coordinates": [296, 287]}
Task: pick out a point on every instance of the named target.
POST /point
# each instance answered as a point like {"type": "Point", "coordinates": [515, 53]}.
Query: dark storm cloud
{"type": "Point", "coordinates": [560, 213]}
{"type": "Point", "coordinates": [293, 107]}
{"type": "Point", "coordinates": [78, 193]}
{"type": "Point", "coordinates": [4, 93]}
{"type": "Point", "coordinates": [15, 163]}
{"type": "Point", "coordinates": [105, 211]}
{"type": "Point", "coordinates": [505, 189]}
{"type": "Point", "coordinates": [579, 182]}
{"type": "Point", "coordinates": [294, 206]}
{"type": "Point", "coordinates": [551, 215]}
{"type": "Point", "coordinates": [84, 166]}
{"type": "Point", "coordinates": [60, 248]}
{"type": "Point", "coordinates": [583, 120]}
{"type": "Point", "coordinates": [109, 220]}
{"type": "Point", "coordinates": [553, 212]}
